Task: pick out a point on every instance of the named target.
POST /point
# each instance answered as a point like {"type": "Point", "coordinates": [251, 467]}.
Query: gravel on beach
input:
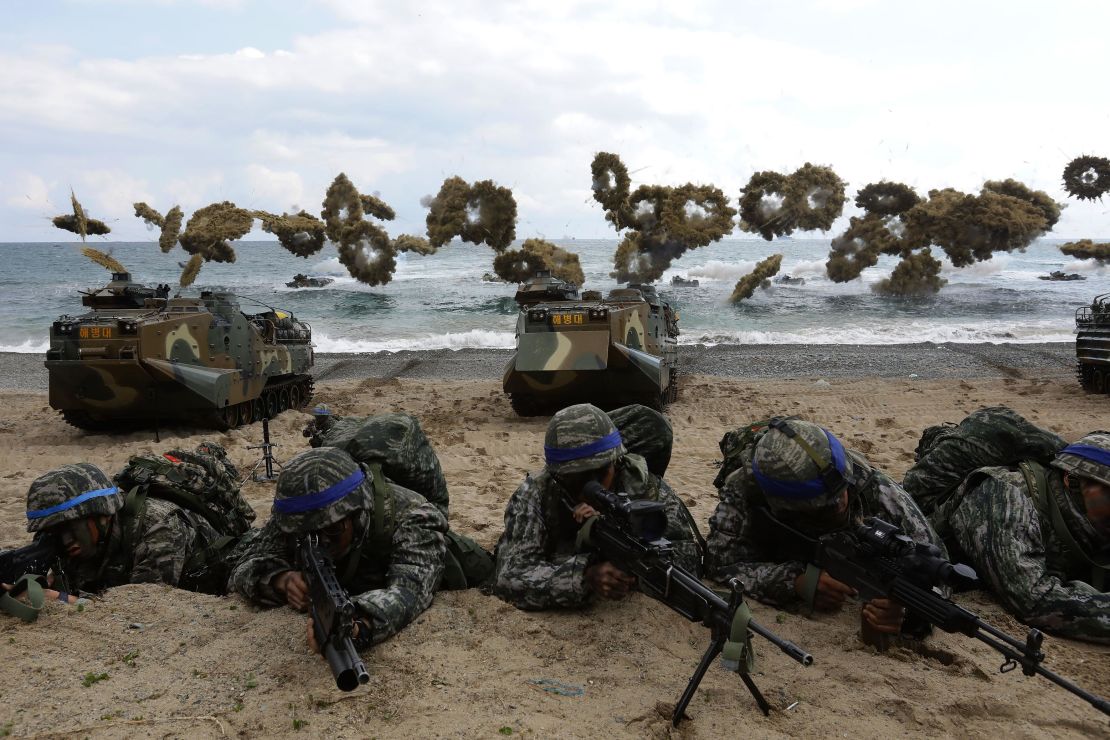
{"type": "Point", "coordinates": [25, 371]}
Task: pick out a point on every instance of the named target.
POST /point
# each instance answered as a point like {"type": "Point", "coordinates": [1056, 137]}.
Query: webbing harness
{"type": "Point", "coordinates": [1046, 498]}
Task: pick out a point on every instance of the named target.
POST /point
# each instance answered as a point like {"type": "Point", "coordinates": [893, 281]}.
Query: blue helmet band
{"type": "Point", "coordinates": [71, 503]}
{"type": "Point", "coordinates": [319, 499]}
{"type": "Point", "coordinates": [558, 455]}
{"type": "Point", "coordinates": [807, 489]}
{"type": "Point", "coordinates": [1088, 452]}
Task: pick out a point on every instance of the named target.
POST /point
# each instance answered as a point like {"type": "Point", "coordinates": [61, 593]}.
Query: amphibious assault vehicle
{"type": "Point", "coordinates": [139, 356]}
{"type": "Point", "coordinates": [1092, 344]}
{"type": "Point", "coordinates": [575, 348]}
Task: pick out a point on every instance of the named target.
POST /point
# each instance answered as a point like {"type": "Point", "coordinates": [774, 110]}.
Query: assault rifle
{"type": "Point", "coordinates": [37, 558]}
{"type": "Point", "coordinates": [333, 615]}
{"type": "Point", "coordinates": [629, 533]}
{"type": "Point", "coordinates": [880, 561]}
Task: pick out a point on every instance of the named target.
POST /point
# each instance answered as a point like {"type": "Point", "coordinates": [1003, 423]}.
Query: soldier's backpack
{"type": "Point", "coordinates": [396, 442]}
{"type": "Point", "coordinates": [645, 432]}
{"type": "Point", "coordinates": [734, 443]}
{"type": "Point", "coordinates": [203, 481]}
{"type": "Point", "coordinates": [990, 437]}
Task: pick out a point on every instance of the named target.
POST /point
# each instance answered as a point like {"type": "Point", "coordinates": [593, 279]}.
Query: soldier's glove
{"type": "Point", "coordinates": [365, 636]}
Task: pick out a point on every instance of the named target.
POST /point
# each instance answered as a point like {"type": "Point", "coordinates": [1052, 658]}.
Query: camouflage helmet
{"type": "Point", "coordinates": [321, 417]}
{"type": "Point", "coordinates": [799, 466]}
{"type": "Point", "coordinates": [647, 433]}
{"type": "Point", "coordinates": [319, 487]}
{"type": "Point", "coordinates": [581, 438]}
{"type": "Point", "coordinates": [68, 493]}
{"type": "Point", "coordinates": [1087, 458]}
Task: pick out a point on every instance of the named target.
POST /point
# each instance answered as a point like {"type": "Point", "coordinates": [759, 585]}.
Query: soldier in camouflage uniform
{"type": "Point", "coordinates": [1042, 542]}
{"type": "Point", "coordinates": [391, 574]}
{"type": "Point", "coordinates": [393, 440]}
{"type": "Point", "coordinates": [807, 479]}
{"type": "Point", "coordinates": [103, 544]}
{"type": "Point", "coordinates": [538, 566]}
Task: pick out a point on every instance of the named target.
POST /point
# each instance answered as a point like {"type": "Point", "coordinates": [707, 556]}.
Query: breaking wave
{"type": "Point", "coordinates": [475, 338]}
{"type": "Point", "coordinates": [909, 333]}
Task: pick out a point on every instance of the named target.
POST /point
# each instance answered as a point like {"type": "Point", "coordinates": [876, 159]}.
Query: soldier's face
{"type": "Point", "coordinates": [81, 537]}
{"type": "Point", "coordinates": [337, 538]}
{"type": "Point", "coordinates": [1096, 497]}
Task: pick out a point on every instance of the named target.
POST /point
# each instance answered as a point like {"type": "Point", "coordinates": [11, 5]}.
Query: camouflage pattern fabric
{"type": "Point", "coordinates": [1084, 467]}
{"type": "Point", "coordinates": [790, 461]}
{"type": "Point", "coordinates": [578, 427]}
{"type": "Point", "coordinates": [60, 485]}
{"type": "Point", "coordinates": [991, 436]}
{"type": "Point", "coordinates": [993, 521]}
{"type": "Point", "coordinates": [739, 545]}
{"type": "Point", "coordinates": [395, 441]}
{"type": "Point", "coordinates": [647, 433]}
{"type": "Point", "coordinates": [164, 539]}
{"type": "Point", "coordinates": [391, 594]}
{"type": "Point", "coordinates": [537, 566]}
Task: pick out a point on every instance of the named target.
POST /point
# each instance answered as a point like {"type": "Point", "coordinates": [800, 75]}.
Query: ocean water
{"type": "Point", "coordinates": [440, 301]}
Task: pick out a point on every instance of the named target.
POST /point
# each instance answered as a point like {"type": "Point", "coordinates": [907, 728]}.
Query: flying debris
{"type": "Point", "coordinates": [762, 273]}
{"type": "Point", "coordinates": [1086, 249]}
{"type": "Point", "coordinates": [662, 222]}
{"type": "Point", "coordinates": [520, 265]}
{"type": "Point", "coordinates": [917, 274]}
{"type": "Point", "coordinates": [1087, 177]}
{"type": "Point", "coordinates": [103, 259]}
{"type": "Point", "coordinates": [79, 223]}
{"type": "Point", "coordinates": [774, 204]}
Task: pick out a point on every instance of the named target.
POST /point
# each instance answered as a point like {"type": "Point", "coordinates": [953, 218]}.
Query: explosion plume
{"type": "Point", "coordinates": [518, 265]}
{"type": "Point", "coordinates": [191, 270]}
{"type": "Point", "coordinates": [103, 259]}
{"type": "Point", "coordinates": [773, 204]}
{"type": "Point", "coordinates": [917, 274]}
{"type": "Point", "coordinates": [763, 271]}
{"type": "Point", "coordinates": [78, 222]}
{"type": "Point", "coordinates": [1087, 177]}
{"type": "Point", "coordinates": [1085, 249]}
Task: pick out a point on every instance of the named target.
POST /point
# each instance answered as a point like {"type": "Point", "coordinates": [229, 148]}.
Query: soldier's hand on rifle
{"type": "Point", "coordinates": [609, 581]}
{"type": "Point", "coordinates": [884, 615]}
{"type": "Point", "coordinates": [359, 625]}
{"type": "Point", "coordinates": [831, 593]}
{"type": "Point", "coordinates": [582, 512]}
{"type": "Point", "coordinates": [292, 585]}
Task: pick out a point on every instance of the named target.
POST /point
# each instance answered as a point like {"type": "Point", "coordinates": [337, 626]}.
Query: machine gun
{"type": "Point", "coordinates": [629, 533]}
{"type": "Point", "coordinates": [880, 561]}
{"type": "Point", "coordinates": [333, 615]}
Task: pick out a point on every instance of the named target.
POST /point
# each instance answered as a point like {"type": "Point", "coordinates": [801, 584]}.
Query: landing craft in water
{"type": "Point", "coordinates": [138, 356]}
{"type": "Point", "coordinates": [574, 347]}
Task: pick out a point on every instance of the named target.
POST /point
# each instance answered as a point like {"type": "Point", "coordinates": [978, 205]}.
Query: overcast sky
{"type": "Point", "coordinates": [263, 102]}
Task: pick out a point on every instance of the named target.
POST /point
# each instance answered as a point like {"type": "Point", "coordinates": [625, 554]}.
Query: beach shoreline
{"type": "Point", "coordinates": [25, 372]}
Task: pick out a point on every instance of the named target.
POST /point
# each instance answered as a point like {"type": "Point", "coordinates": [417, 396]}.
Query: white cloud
{"type": "Point", "coordinates": [26, 191]}
{"type": "Point", "coordinates": [273, 186]}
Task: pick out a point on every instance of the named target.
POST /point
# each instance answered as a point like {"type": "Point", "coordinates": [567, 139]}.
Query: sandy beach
{"type": "Point", "coordinates": [179, 664]}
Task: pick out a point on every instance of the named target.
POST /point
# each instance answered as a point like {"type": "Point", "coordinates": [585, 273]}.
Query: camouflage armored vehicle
{"type": "Point", "coordinates": [137, 355]}
{"type": "Point", "coordinates": [1092, 344]}
{"type": "Point", "coordinates": [575, 348]}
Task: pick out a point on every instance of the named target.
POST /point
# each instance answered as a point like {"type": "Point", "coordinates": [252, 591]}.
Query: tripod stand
{"type": "Point", "coordinates": [267, 460]}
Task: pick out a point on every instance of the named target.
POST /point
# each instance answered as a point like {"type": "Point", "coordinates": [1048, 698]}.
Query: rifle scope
{"type": "Point", "coordinates": [646, 520]}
